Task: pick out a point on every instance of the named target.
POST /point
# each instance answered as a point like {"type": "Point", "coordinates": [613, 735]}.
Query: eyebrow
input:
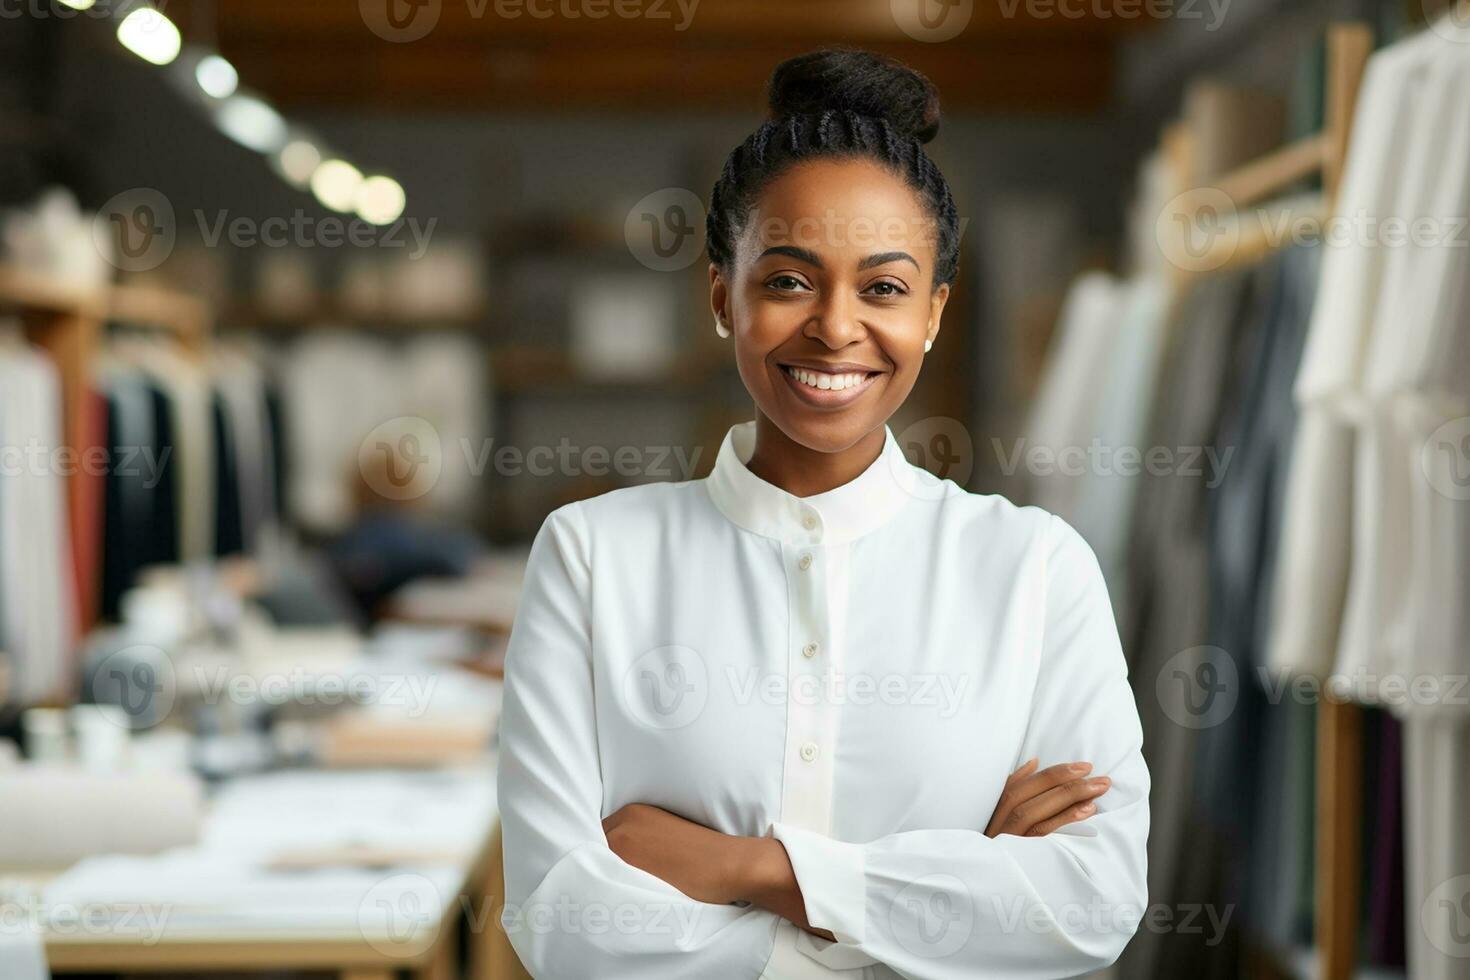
{"type": "Point", "coordinates": [808, 256]}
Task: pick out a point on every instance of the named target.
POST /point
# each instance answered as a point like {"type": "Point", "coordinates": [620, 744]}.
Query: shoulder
{"type": "Point", "coordinates": [1031, 536]}
{"type": "Point", "coordinates": [621, 512]}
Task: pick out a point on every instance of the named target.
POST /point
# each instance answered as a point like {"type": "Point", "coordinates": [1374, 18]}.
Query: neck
{"type": "Point", "coordinates": [803, 471]}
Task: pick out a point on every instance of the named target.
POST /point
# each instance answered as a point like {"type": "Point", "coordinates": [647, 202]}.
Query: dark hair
{"type": "Point", "coordinates": [839, 103]}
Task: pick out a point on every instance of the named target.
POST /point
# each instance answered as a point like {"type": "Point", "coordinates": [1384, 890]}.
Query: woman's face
{"type": "Point", "coordinates": [830, 298]}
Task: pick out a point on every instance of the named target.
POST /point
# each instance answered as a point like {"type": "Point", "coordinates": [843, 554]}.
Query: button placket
{"type": "Point", "coordinates": [807, 781]}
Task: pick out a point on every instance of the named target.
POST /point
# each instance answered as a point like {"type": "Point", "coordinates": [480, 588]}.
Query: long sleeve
{"type": "Point", "coordinates": [573, 907]}
{"type": "Point", "coordinates": [936, 904]}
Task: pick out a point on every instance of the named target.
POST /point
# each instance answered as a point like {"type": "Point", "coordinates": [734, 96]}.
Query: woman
{"type": "Point", "coordinates": [820, 714]}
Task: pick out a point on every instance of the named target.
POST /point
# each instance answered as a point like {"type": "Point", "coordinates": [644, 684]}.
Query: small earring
{"type": "Point", "coordinates": [928, 344]}
{"type": "Point", "coordinates": [721, 329]}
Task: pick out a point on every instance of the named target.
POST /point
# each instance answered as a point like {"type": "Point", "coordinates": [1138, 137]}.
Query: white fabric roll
{"type": "Point", "coordinates": [53, 816]}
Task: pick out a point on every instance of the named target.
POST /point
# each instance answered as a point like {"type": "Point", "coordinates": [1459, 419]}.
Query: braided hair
{"type": "Point", "coordinates": [838, 103]}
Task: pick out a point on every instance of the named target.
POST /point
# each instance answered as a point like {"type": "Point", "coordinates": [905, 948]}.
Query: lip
{"type": "Point", "coordinates": [829, 398]}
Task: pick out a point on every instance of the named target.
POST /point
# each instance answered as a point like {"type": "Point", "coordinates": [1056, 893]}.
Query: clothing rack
{"type": "Point", "coordinates": [68, 323]}
{"type": "Point", "coordinates": [1338, 859]}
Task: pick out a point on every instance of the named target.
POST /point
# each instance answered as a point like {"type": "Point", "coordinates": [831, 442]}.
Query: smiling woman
{"type": "Point", "coordinates": [821, 713]}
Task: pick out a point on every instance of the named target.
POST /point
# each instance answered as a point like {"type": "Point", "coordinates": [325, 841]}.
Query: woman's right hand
{"type": "Point", "coordinates": [1036, 803]}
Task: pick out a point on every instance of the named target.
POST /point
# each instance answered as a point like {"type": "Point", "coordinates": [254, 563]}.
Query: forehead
{"type": "Point", "coordinates": [839, 206]}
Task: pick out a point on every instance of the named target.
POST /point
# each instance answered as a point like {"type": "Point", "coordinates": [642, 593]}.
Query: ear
{"type": "Point", "coordinates": [936, 310]}
{"type": "Point", "coordinates": [719, 294]}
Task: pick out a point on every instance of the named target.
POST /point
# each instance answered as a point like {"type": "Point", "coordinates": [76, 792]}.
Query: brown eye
{"type": "Point", "coordinates": [886, 288]}
{"type": "Point", "coordinates": [786, 283]}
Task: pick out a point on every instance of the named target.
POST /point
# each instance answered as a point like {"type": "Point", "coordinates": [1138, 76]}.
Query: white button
{"type": "Point", "coordinates": [809, 751]}
{"type": "Point", "coordinates": [806, 561]}
{"type": "Point", "coordinates": [809, 521]}
{"type": "Point", "coordinates": [809, 651]}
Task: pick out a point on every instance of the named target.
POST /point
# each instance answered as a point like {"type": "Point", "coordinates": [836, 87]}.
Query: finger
{"type": "Point", "coordinates": [1074, 814]}
{"type": "Point", "coordinates": [1037, 783]}
{"type": "Point", "coordinates": [1026, 769]}
{"type": "Point", "coordinates": [1054, 801]}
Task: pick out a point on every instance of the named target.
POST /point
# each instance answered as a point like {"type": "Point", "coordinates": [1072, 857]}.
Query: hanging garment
{"type": "Point", "coordinates": [1072, 383]}
{"type": "Point", "coordinates": [1313, 573]}
{"type": "Point", "coordinates": [37, 571]}
{"type": "Point", "coordinates": [628, 680]}
{"type": "Point", "coordinates": [1166, 613]}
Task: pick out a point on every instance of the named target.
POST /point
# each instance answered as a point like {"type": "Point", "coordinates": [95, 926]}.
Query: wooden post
{"type": "Point", "coordinates": [1339, 788]}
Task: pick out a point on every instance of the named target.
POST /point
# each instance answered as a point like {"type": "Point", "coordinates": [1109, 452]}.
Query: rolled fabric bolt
{"type": "Point", "coordinates": [56, 815]}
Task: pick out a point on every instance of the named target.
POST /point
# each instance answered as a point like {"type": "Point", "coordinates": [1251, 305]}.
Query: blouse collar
{"type": "Point", "coordinates": [841, 514]}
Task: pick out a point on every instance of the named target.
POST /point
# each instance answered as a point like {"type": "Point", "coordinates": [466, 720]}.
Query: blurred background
{"type": "Point", "coordinates": [311, 312]}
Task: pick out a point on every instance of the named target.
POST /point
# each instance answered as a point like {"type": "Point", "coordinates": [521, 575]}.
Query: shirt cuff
{"type": "Point", "coordinates": [833, 879]}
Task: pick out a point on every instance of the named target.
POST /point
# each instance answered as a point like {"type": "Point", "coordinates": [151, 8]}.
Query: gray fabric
{"type": "Point", "coordinates": [1167, 596]}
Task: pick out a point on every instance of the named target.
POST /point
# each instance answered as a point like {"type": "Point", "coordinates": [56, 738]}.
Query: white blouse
{"type": "Point", "coordinates": [855, 673]}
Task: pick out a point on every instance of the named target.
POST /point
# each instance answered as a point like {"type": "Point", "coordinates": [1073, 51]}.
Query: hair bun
{"type": "Point", "coordinates": [865, 83]}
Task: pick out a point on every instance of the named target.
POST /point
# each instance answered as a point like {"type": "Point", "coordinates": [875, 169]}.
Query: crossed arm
{"type": "Point", "coordinates": [721, 869]}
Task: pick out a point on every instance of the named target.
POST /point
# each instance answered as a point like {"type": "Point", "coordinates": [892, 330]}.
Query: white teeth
{"type": "Point", "coordinates": [825, 382]}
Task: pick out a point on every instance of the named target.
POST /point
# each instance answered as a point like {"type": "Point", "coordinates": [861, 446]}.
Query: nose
{"type": "Point", "coordinates": [835, 322]}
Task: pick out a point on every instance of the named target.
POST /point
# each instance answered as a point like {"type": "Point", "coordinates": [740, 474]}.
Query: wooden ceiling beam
{"type": "Point", "coordinates": [1072, 77]}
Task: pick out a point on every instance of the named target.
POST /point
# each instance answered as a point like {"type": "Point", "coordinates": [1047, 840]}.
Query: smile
{"type": "Point", "coordinates": [828, 388]}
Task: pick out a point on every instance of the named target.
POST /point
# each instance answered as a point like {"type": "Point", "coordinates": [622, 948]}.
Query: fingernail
{"type": "Point", "coordinates": [1081, 767]}
{"type": "Point", "coordinates": [1101, 782]}
{"type": "Point", "coordinates": [1087, 808]}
